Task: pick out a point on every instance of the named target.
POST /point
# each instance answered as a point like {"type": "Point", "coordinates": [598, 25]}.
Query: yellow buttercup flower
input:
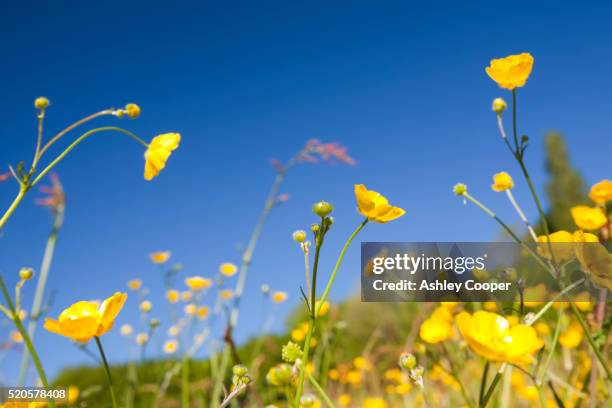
{"type": "Point", "coordinates": [134, 284]}
{"type": "Point", "coordinates": [572, 337]}
{"type": "Point", "coordinates": [73, 394]}
{"type": "Point", "coordinates": [434, 331]}
{"type": "Point", "coordinates": [190, 309]}
{"type": "Point", "coordinates": [126, 330]}
{"type": "Point", "coordinates": [375, 206]}
{"type": "Point", "coordinates": [561, 243]}
{"type": "Point", "coordinates": [142, 339]}
{"type": "Point", "coordinates": [132, 110]}
{"type": "Point", "coordinates": [502, 182]}
{"type": "Point", "coordinates": [512, 71]}
{"type": "Point", "coordinates": [228, 269]}
{"type": "Point", "coordinates": [226, 294]}
{"type": "Point", "coordinates": [361, 363]}
{"type": "Point", "coordinates": [173, 296]}
{"type": "Point", "coordinates": [323, 307]}
{"type": "Point", "coordinates": [279, 297]}
{"type": "Point", "coordinates": [158, 153]}
{"type": "Point", "coordinates": [146, 306]}
{"type": "Point", "coordinates": [371, 402]}
{"type": "Point", "coordinates": [588, 218]}
{"type": "Point", "coordinates": [170, 346]}
{"type": "Point", "coordinates": [202, 312]}
{"type": "Point", "coordinates": [16, 337]}
{"type": "Point", "coordinates": [197, 283]}
{"type": "Point", "coordinates": [601, 192]}
{"type": "Point", "coordinates": [160, 257]}
{"type": "Point", "coordinates": [344, 400]}
{"type": "Point", "coordinates": [84, 320]}
{"type": "Point", "coordinates": [186, 296]}
{"type": "Point", "coordinates": [491, 336]}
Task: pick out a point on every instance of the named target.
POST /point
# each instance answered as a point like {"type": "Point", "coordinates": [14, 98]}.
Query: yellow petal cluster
{"type": "Point", "coordinates": [512, 71]}
{"type": "Point", "coordinates": [588, 218]}
{"type": "Point", "coordinates": [228, 269]}
{"type": "Point", "coordinates": [173, 296]}
{"type": "Point", "coordinates": [438, 327]}
{"type": "Point", "coordinates": [158, 152]}
{"type": "Point", "coordinates": [279, 297]}
{"type": "Point", "coordinates": [572, 336]}
{"type": "Point", "coordinates": [160, 257]}
{"type": "Point", "coordinates": [491, 336]}
{"type": "Point", "coordinates": [197, 283]}
{"type": "Point", "coordinates": [84, 320]}
{"type": "Point", "coordinates": [561, 243]}
{"type": "Point", "coordinates": [601, 192]}
{"type": "Point", "coordinates": [502, 182]}
{"type": "Point", "coordinates": [375, 206]}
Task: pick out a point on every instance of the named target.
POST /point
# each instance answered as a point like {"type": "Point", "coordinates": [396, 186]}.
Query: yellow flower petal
{"type": "Point", "coordinates": [158, 153]}
{"type": "Point", "coordinates": [375, 206]}
{"type": "Point", "coordinates": [512, 71]}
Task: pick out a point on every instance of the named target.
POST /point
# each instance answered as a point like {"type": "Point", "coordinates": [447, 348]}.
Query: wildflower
{"type": "Point", "coordinates": [322, 208]}
{"type": "Point", "coordinates": [572, 336]}
{"type": "Point", "coordinates": [134, 284]}
{"type": "Point", "coordinates": [197, 283]}
{"type": "Point", "coordinates": [16, 337]}
{"type": "Point", "coordinates": [146, 306]}
{"type": "Point", "coordinates": [26, 274]}
{"type": "Point", "coordinates": [240, 370]}
{"type": "Point", "coordinates": [291, 352]}
{"type": "Point", "coordinates": [154, 323]}
{"type": "Point", "coordinates": [226, 294]}
{"type": "Point", "coordinates": [377, 402]}
{"type": "Point", "coordinates": [160, 257]}
{"type": "Point", "coordinates": [173, 296]}
{"type": "Point", "coordinates": [228, 269]}
{"type": "Point", "coordinates": [84, 320]}
{"type": "Point", "coordinates": [502, 182]}
{"type": "Point", "coordinates": [202, 312]}
{"type": "Point", "coordinates": [542, 328]}
{"type": "Point", "coordinates": [562, 245]}
{"type": "Point", "coordinates": [499, 105]}
{"type": "Point", "coordinates": [299, 236]}
{"type": "Point", "coordinates": [170, 347]}
{"type": "Point", "coordinates": [407, 361]}
{"type": "Point", "coordinates": [373, 205]}
{"type": "Point", "coordinates": [434, 331]}
{"type": "Point", "coordinates": [126, 330]}
{"type": "Point", "coordinates": [595, 260]}
{"type": "Point", "coordinates": [353, 377]}
{"type": "Point", "coordinates": [361, 363]}
{"type": "Point", "coordinates": [158, 153]}
{"type": "Point", "coordinates": [279, 297]}
{"type": "Point", "coordinates": [439, 374]}
{"type": "Point", "coordinates": [73, 394]}
{"type": "Point", "coordinates": [174, 331]}
{"type": "Point", "coordinates": [279, 375]}
{"type": "Point", "coordinates": [601, 192]}
{"type": "Point", "coordinates": [190, 309]}
{"type": "Point", "coordinates": [186, 296]}
{"type": "Point", "coordinates": [344, 400]}
{"type": "Point", "coordinates": [512, 71]}
{"type": "Point", "coordinates": [132, 110]}
{"type": "Point", "coordinates": [142, 339]}
{"type": "Point", "coordinates": [308, 401]}
{"type": "Point", "coordinates": [460, 189]}
{"type": "Point", "coordinates": [323, 308]}
{"type": "Point", "coordinates": [41, 103]}
{"type": "Point", "coordinates": [490, 335]}
{"type": "Point", "coordinates": [588, 218]}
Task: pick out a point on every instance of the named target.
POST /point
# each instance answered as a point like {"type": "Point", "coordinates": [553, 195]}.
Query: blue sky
{"type": "Point", "coordinates": [402, 85]}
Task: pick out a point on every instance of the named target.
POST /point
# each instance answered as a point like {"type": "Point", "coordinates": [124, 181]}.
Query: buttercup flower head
{"type": "Point", "coordinates": [499, 105]}
{"type": "Point", "coordinates": [375, 206]}
{"type": "Point", "coordinates": [502, 182]}
{"type": "Point", "coordinates": [198, 283]}
{"type": "Point", "coordinates": [588, 218]}
{"type": "Point", "coordinates": [146, 306]}
{"type": "Point", "coordinates": [134, 284]}
{"type": "Point", "coordinates": [279, 297]}
{"type": "Point", "coordinates": [460, 189]}
{"type": "Point", "coordinates": [84, 320]}
{"type": "Point", "coordinates": [158, 153]}
{"type": "Point", "coordinates": [142, 339]}
{"type": "Point", "coordinates": [160, 257]}
{"type": "Point", "coordinates": [170, 346]}
{"type": "Point", "coordinates": [173, 296]}
{"type": "Point", "coordinates": [601, 192]}
{"type": "Point", "coordinates": [41, 103]}
{"type": "Point", "coordinates": [126, 330]}
{"type": "Point", "coordinates": [132, 110]}
{"type": "Point", "coordinates": [512, 71]}
{"type": "Point", "coordinates": [228, 269]}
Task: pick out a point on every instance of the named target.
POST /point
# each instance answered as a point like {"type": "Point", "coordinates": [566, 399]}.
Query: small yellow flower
{"type": "Point", "coordinates": [198, 283]}
{"type": "Point", "coordinates": [16, 337]}
{"type": "Point", "coordinates": [186, 296]}
{"type": "Point", "coordinates": [26, 274]}
{"type": "Point", "coordinates": [84, 320]}
{"type": "Point", "coordinates": [202, 312]}
{"type": "Point", "coordinates": [601, 192]}
{"type": "Point", "coordinates": [142, 339]}
{"type": "Point", "coordinates": [353, 377]}
{"type": "Point", "coordinates": [134, 284]}
{"type": "Point", "coordinates": [542, 328]}
{"type": "Point", "coordinates": [499, 105]}
{"type": "Point", "coordinates": [512, 71]}
{"type": "Point", "coordinates": [126, 330]}
{"type": "Point", "coordinates": [323, 308]}
{"type": "Point", "coordinates": [588, 218]}
{"type": "Point", "coordinates": [361, 363]}
{"type": "Point", "coordinates": [344, 400]}
{"type": "Point", "coordinates": [434, 331]}
{"type": "Point", "coordinates": [132, 110]}
{"type": "Point", "coordinates": [459, 189]}
{"type": "Point", "coordinates": [371, 402]}
{"type": "Point", "coordinates": [226, 294]}
{"type": "Point", "coordinates": [572, 337]}
{"type": "Point", "coordinates": [490, 335]}
{"type": "Point", "coordinates": [146, 306]}
{"type": "Point", "coordinates": [561, 243]}
{"type": "Point", "coordinates": [279, 297]}
{"type": "Point", "coordinates": [158, 153]}
{"type": "Point", "coordinates": [160, 257]}
{"type": "Point", "coordinates": [490, 306]}
{"type": "Point", "coordinates": [333, 374]}
{"type": "Point", "coordinates": [228, 269]}
{"type": "Point", "coordinates": [173, 296]}
{"type": "Point", "coordinates": [373, 205]}
{"type": "Point", "coordinates": [41, 103]}
{"type": "Point", "coordinates": [502, 182]}
{"type": "Point", "coordinates": [190, 309]}
{"type": "Point", "coordinates": [73, 394]}
{"type": "Point", "coordinates": [170, 346]}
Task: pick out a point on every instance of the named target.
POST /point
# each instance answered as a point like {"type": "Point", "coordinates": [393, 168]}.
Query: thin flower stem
{"type": "Point", "coordinates": [489, 393]}
{"type": "Point", "coordinates": [455, 374]}
{"type": "Point", "coordinates": [542, 377]}
{"type": "Point", "coordinates": [320, 391]}
{"type": "Point", "coordinates": [594, 347]}
{"type": "Point", "coordinates": [108, 373]}
{"type": "Point", "coordinates": [26, 338]}
{"type": "Point", "coordinates": [40, 287]}
{"type": "Point", "coordinates": [22, 191]}
{"type": "Point", "coordinates": [483, 381]}
{"type": "Point", "coordinates": [307, 270]}
{"type": "Point", "coordinates": [315, 267]}
{"type": "Point", "coordinates": [41, 118]}
{"type": "Point", "coordinates": [521, 215]}
{"type": "Point", "coordinates": [554, 299]}
{"type": "Point", "coordinates": [304, 363]}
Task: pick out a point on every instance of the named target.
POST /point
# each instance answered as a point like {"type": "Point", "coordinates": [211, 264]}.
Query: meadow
{"type": "Point", "coordinates": [342, 354]}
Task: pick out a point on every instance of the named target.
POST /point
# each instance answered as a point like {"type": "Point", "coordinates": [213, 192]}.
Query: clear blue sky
{"type": "Point", "coordinates": [403, 86]}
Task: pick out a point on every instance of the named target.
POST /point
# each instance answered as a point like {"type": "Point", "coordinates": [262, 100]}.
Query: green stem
{"type": "Point", "coordinates": [587, 334]}
{"type": "Point", "coordinates": [320, 391]}
{"type": "Point", "coordinates": [304, 363]}
{"type": "Point", "coordinates": [315, 267]}
{"type": "Point", "coordinates": [26, 338]}
{"type": "Point", "coordinates": [483, 381]}
{"type": "Point", "coordinates": [108, 373]}
{"type": "Point", "coordinates": [489, 393]}
{"type": "Point", "coordinates": [185, 383]}
{"type": "Point", "coordinates": [542, 377]}
{"type": "Point", "coordinates": [14, 205]}
{"type": "Point", "coordinates": [554, 299]}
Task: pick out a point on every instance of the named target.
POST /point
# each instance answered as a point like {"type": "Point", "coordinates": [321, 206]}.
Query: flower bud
{"type": "Point", "coordinates": [41, 103]}
{"type": "Point", "coordinates": [407, 361]}
{"type": "Point", "coordinates": [299, 236]}
{"type": "Point", "coordinates": [322, 208]}
{"type": "Point", "coordinates": [308, 400]}
{"type": "Point", "coordinates": [291, 352]}
{"type": "Point", "coordinates": [154, 323]}
{"type": "Point", "coordinates": [132, 110]}
{"type": "Point", "coordinates": [314, 228]}
{"type": "Point", "coordinates": [499, 105]}
{"type": "Point", "coordinates": [460, 189]}
{"type": "Point", "coordinates": [240, 370]}
{"type": "Point", "coordinates": [26, 274]}
{"type": "Point", "coordinates": [265, 289]}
